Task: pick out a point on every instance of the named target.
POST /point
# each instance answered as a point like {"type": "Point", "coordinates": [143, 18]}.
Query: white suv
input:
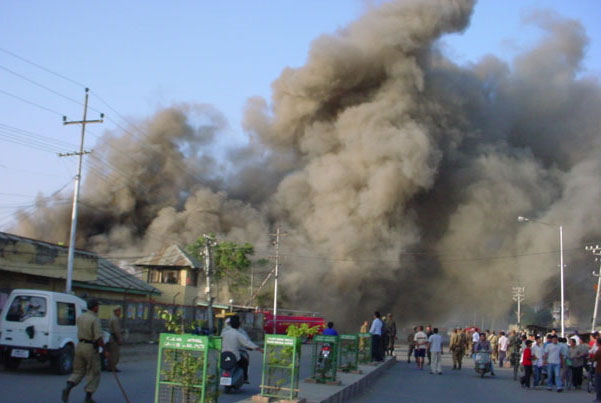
{"type": "Point", "coordinates": [40, 324]}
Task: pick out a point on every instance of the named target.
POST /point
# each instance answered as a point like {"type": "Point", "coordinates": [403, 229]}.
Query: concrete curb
{"type": "Point", "coordinates": [357, 387]}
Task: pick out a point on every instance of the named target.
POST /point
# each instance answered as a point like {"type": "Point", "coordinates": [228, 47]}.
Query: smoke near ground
{"type": "Point", "coordinates": [397, 174]}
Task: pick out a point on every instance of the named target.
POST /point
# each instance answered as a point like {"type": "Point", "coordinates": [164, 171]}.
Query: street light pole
{"type": "Point", "coordinates": [526, 219]}
{"type": "Point", "coordinates": [561, 275]}
{"type": "Point", "coordinates": [596, 250]}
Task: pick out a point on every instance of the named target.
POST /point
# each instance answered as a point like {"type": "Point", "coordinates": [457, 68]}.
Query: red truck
{"type": "Point", "coordinates": [283, 321]}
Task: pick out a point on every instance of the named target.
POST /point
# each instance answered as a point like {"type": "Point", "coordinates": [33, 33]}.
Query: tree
{"type": "Point", "coordinates": [231, 262]}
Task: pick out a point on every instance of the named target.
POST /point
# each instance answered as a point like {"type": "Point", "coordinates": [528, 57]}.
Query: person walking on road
{"type": "Point", "coordinates": [421, 345]}
{"type": "Point", "coordinates": [428, 334]}
{"type": "Point", "coordinates": [503, 346]}
{"type": "Point", "coordinates": [457, 348]}
{"type": "Point", "coordinates": [435, 351]}
{"type": "Point", "coordinates": [377, 348]}
{"type": "Point", "coordinates": [527, 363]}
{"type": "Point", "coordinates": [538, 353]}
{"type": "Point", "coordinates": [578, 354]}
{"type": "Point", "coordinates": [86, 362]}
{"type": "Point", "coordinates": [116, 340]}
{"type": "Point", "coordinates": [410, 344]}
{"type": "Point", "coordinates": [554, 360]}
{"type": "Point", "coordinates": [391, 335]}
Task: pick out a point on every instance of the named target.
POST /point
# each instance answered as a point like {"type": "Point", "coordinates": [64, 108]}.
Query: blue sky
{"type": "Point", "coordinates": [141, 56]}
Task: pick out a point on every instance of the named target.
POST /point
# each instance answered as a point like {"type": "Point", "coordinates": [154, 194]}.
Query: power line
{"type": "Point", "coordinates": [42, 67]}
{"type": "Point", "coordinates": [29, 80]}
{"type": "Point", "coordinates": [30, 102]}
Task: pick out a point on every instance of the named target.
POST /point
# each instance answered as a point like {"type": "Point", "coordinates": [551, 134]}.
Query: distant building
{"type": "Point", "coordinates": [175, 273]}
{"type": "Point", "coordinates": [30, 263]}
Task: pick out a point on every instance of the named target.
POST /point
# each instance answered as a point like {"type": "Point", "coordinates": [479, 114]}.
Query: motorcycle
{"type": "Point", "coordinates": [482, 363]}
{"type": "Point", "coordinates": [232, 375]}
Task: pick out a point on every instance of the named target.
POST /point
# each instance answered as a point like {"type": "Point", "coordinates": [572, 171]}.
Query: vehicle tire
{"type": "Point", "coordinates": [12, 363]}
{"type": "Point", "coordinates": [63, 363]}
{"type": "Point", "coordinates": [481, 374]}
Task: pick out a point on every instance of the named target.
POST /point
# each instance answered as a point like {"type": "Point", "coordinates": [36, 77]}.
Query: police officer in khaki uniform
{"type": "Point", "coordinates": [114, 346]}
{"type": "Point", "coordinates": [86, 361]}
{"type": "Point", "coordinates": [458, 345]}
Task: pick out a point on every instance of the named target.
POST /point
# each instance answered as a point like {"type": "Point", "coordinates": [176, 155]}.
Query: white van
{"type": "Point", "coordinates": [40, 324]}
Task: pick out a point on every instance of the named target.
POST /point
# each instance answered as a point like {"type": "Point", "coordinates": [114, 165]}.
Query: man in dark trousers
{"type": "Point", "coordinates": [429, 333]}
{"type": "Point", "coordinates": [391, 334]}
{"type": "Point", "coordinates": [376, 338]}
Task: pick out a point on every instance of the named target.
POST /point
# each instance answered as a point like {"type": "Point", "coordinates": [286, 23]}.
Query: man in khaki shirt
{"type": "Point", "coordinates": [114, 347]}
{"type": "Point", "coordinates": [86, 361]}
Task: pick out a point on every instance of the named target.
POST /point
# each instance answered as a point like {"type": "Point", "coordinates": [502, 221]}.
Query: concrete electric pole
{"type": "Point", "coordinates": [208, 255]}
{"type": "Point", "coordinates": [596, 250]}
{"type": "Point", "coordinates": [518, 296]}
{"type": "Point", "coordinates": [275, 288]}
{"type": "Point", "coordinates": [71, 253]}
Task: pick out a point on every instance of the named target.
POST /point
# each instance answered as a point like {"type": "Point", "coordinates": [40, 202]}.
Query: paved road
{"type": "Point", "coordinates": [403, 383]}
{"type": "Point", "coordinates": [35, 382]}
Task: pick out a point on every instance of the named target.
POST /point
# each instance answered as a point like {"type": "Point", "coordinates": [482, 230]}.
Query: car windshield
{"type": "Point", "coordinates": [24, 307]}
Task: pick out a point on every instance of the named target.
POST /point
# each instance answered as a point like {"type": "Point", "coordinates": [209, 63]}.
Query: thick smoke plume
{"type": "Point", "coordinates": [397, 174]}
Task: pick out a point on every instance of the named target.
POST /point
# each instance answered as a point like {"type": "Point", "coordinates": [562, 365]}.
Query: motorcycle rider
{"type": "Point", "coordinates": [483, 346]}
{"type": "Point", "coordinates": [234, 340]}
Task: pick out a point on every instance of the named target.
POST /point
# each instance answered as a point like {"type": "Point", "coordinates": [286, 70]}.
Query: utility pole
{"type": "Point", "coordinates": [275, 288]}
{"type": "Point", "coordinates": [208, 255]}
{"type": "Point", "coordinates": [81, 153]}
{"type": "Point", "coordinates": [596, 250]}
{"type": "Point", "coordinates": [518, 296]}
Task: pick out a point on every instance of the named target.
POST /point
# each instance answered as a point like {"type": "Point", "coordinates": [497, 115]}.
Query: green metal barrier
{"type": "Point", "coordinates": [364, 348]}
{"type": "Point", "coordinates": [325, 358]}
{"type": "Point", "coordinates": [187, 369]}
{"type": "Point", "coordinates": [349, 353]}
{"type": "Point", "coordinates": [281, 361]}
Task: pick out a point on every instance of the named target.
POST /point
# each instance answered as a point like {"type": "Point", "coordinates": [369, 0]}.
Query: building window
{"type": "Point", "coordinates": [24, 307]}
{"type": "Point", "coordinates": [65, 314]}
{"type": "Point", "coordinates": [163, 276]}
{"type": "Point", "coordinates": [192, 279]}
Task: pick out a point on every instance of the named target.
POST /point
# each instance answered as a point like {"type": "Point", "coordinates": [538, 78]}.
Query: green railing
{"type": "Point", "coordinates": [187, 369]}
{"type": "Point", "coordinates": [281, 361]}
{"type": "Point", "coordinates": [364, 348]}
{"type": "Point", "coordinates": [349, 353]}
{"type": "Point", "coordinates": [325, 358]}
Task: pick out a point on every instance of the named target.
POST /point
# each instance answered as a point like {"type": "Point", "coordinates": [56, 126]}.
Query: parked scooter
{"type": "Point", "coordinates": [323, 362]}
{"type": "Point", "coordinates": [482, 363]}
{"type": "Point", "coordinates": [232, 375]}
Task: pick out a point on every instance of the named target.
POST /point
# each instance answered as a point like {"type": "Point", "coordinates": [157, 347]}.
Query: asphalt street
{"type": "Point", "coordinates": [404, 383]}
{"type": "Point", "coordinates": [35, 382]}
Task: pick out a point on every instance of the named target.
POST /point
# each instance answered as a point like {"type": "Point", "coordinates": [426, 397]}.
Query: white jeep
{"type": "Point", "coordinates": [40, 324]}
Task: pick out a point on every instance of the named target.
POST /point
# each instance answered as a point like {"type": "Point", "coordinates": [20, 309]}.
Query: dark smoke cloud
{"type": "Point", "coordinates": [405, 170]}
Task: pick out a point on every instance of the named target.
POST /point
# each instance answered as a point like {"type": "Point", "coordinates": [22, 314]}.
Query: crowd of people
{"type": "Point", "coordinates": [546, 360]}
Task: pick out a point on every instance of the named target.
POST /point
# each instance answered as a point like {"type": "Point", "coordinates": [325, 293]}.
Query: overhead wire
{"type": "Point", "coordinates": [31, 102]}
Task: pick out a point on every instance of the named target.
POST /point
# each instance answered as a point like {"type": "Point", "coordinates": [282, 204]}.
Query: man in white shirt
{"type": "Point", "coordinates": [538, 352]}
{"type": "Point", "coordinates": [503, 346]}
{"type": "Point", "coordinates": [233, 340]}
{"type": "Point", "coordinates": [435, 348]}
{"type": "Point", "coordinates": [421, 345]}
{"type": "Point", "coordinates": [475, 340]}
{"type": "Point", "coordinates": [554, 358]}
{"type": "Point", "coordinates": [377, 346]}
